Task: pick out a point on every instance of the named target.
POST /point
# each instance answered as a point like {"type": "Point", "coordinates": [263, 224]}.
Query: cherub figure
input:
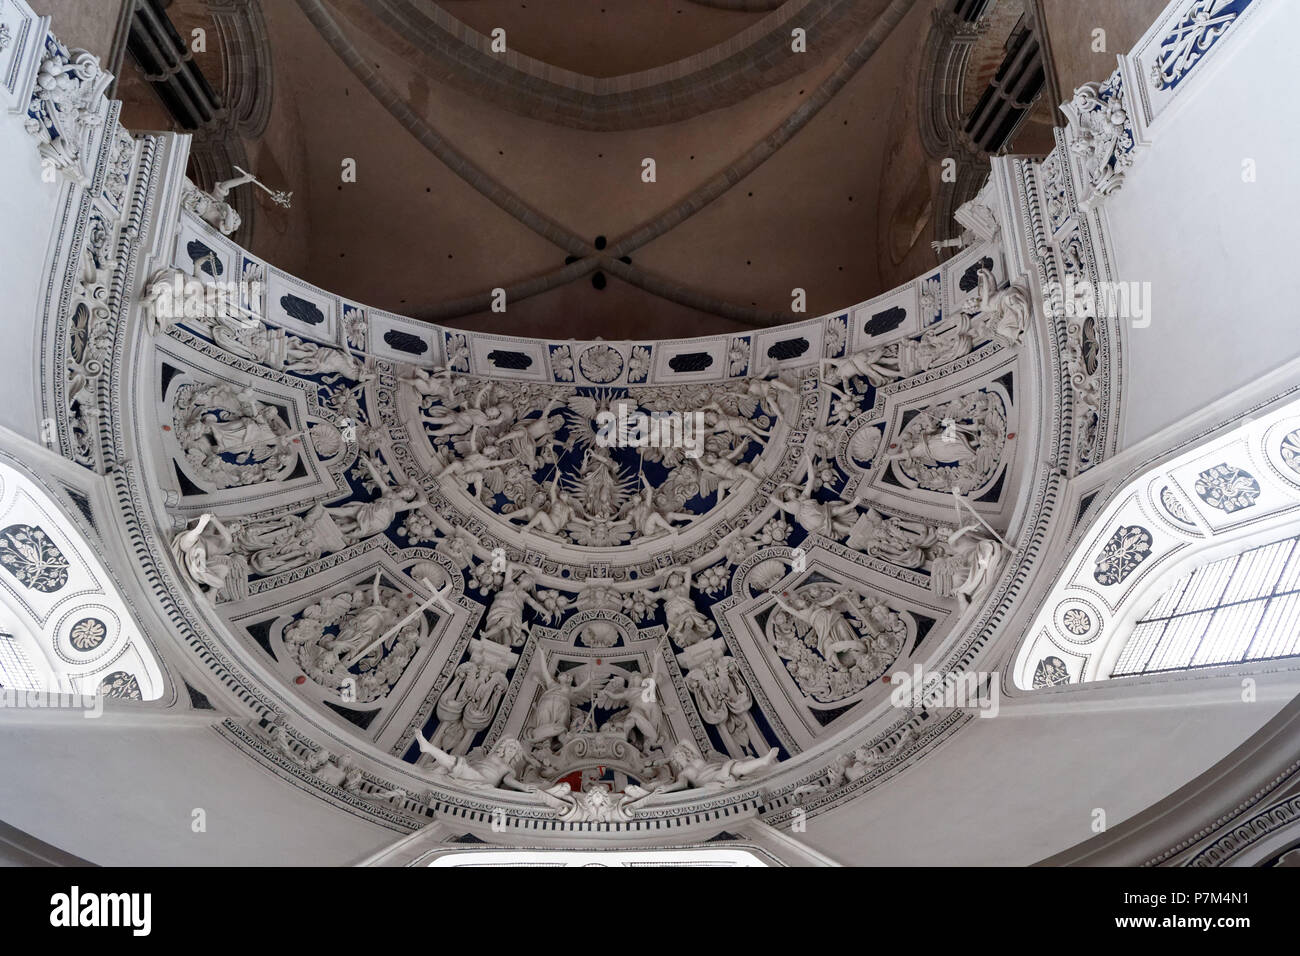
{"type": "Point", "coordinates": [554, 517]}
{"type": "Point", "coordinates": [646, 517]}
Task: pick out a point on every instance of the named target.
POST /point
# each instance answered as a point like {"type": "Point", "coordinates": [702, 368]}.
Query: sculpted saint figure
{"type": "Point", "coordinates": [204, 552]}
{"type": "Point", "coordinates": [1003, 313]}
{"type": "Point", "coordinates": [827, 518]}
{"type": "Point", "coordinates": [900, 541]}
{"type": "Point", "coordinates": [310, 358]}
{"type": "Point", "coordinates": [686, 624]}
{"type": "Point", "coordinates": [690, 769]}
{"type": "Point", "coordinates": [967, 570]}
{"type": "Point", "coordinates": [498, 768]}
{"type": "Point", "coordinates": [837, 641]}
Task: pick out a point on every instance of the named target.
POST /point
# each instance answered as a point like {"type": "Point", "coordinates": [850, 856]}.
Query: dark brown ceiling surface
{"type": "Point", "coordinates": [747, 59]}
{"type": "Point", "coordinates": [605, 38]}
{"type": "Point", "coordinates": [456, 196]}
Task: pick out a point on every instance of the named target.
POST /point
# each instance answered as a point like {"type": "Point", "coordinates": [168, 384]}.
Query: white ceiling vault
{"type": "Point", "coordinates": [428, 573]}
{"type": "Point", "coordinates": [63, 621]}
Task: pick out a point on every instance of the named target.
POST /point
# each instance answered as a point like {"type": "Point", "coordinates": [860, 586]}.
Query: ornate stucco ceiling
{"type": "Point", "coordinates": [443, 552]}
{"type": "Point", "coordinates": [421, 577]}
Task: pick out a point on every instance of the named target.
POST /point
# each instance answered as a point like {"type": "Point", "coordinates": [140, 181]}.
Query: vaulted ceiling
{"type": "Point", "coordinates": [774, 170]}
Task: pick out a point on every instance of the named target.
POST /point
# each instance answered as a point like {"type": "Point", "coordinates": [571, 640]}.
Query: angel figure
{"type": "Point", "coordinates": [878, 365]}
{"type": "Point", "coordinates": [553, 713]}
{"type": "Point", "coordinates": [717, 421]}
{"type": "Point", "coordinates": [459, 421]}
{"type": "Point", "coordinates": [643, 713]}
{"type": "Point", "coordinates": [768, 390]}
{"type": "Point", "coordinates": [440, 383]}
{"type": "Point", "coordinates": [552, 518]}
{"type": "Point", "coordinates": [505, 618]}
{"type": "Point", "coordinates": [530, 434]}
{"type": "Point", "coordinates": [363, 519]}
{"type": "Point", "coordinates": [477, 469]}
{"type": "Point", "coordinates": [722, 471]}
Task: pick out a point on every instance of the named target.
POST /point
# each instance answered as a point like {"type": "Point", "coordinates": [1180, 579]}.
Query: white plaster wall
{"type": "Point", "coordinates": [124, 796]}
{"type": "Point", "coordinates": [27, 215]}
{"type": "Point", "coordinates": [1012, 790]}
{"type": "Point", "coordinates": [1217, 251]}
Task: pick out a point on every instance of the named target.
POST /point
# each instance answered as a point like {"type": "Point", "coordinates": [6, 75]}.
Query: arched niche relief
{"type": "Point", "coordinates": [237, 442]}
{"type": "Point", "coordinates": [60, 605]}
{"type": "Point", "coordinates": [1234, 493]}
{"type": "Point", "coordinates": [319, 634]}
{"type": "Point", "coordinates": [585, 566]}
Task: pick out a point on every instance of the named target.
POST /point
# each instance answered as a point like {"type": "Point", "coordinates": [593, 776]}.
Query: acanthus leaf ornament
{"type": "Point", "coordinates": [67, 109]}
{"type": "Point", "coordinates": [1101, 136]}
